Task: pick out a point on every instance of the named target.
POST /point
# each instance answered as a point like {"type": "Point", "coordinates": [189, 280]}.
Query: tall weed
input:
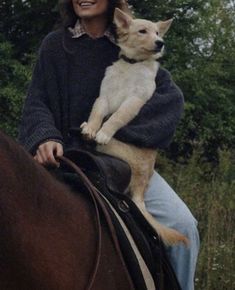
{"type": "Point", "coordinates": [209, 191]}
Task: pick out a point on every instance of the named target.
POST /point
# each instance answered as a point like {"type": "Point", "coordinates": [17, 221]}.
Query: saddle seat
{"type": "Point", "coordinates": [106, 172]}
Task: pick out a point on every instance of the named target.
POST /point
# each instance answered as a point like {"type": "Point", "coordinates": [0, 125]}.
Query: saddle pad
{"type": "Point", "coordinates": [147, 277]}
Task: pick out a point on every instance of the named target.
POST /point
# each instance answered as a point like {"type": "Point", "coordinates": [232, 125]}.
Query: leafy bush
{"type": "Point", "coordinates": [26, 23]}
{"type": "Point", "coordinates": [13, 82]}
{"type": "Point", "coordinates": [200, 53]}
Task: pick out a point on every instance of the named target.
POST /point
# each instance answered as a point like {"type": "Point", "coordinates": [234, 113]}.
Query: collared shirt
{"type": "Point", "coordinates": [79, 30]}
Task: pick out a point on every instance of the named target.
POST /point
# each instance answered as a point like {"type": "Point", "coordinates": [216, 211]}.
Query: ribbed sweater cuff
{"type": "Point", "coordinates": [42, 135]}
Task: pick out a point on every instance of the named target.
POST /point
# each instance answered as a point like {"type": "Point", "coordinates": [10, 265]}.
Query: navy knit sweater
{"type": "Point", "coordinates": [66, 82]}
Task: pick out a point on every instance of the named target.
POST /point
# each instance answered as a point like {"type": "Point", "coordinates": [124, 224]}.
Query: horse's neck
{"type": "Point", "coordinates": [48, 234]}
{"type": "Point", "coordinates": [47, 230]}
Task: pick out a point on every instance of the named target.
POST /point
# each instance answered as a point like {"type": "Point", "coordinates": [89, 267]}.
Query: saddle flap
{"type": "Point", "coordinates": [100, 167]}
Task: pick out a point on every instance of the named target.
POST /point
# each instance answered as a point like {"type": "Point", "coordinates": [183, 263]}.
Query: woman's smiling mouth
{"type": "Point", "coordinates": [86, 4]}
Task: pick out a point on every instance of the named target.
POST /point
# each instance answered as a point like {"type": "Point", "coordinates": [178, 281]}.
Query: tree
{"type": "Point", "coordinates": [26, 22]}
{"type": "Point", "coordinates": [201, 57]}
{"type": "Point", "coordinates": [13, 81]}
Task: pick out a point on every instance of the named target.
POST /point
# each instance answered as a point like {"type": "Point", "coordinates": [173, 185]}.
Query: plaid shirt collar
{"type": "Point", "coordinates": [79, 30]}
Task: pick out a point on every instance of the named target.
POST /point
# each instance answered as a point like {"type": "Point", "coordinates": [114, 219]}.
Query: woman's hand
{"type": "Point", "coordinates": [47, 152]}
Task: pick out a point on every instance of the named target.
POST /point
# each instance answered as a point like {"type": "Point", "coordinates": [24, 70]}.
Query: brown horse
{"type": "Point", "coordinates": [48, 234]}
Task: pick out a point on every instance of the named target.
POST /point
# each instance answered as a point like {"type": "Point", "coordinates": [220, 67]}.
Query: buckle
{"type": "Point", "coordinates": [123, 206]}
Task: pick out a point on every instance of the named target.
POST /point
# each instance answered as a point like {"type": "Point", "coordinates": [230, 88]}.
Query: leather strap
{"type": "Point", "coordinates": [98, 201]}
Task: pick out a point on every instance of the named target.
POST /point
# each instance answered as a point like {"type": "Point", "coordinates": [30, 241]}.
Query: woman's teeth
{"type": "Point", "coordinates": [86, 4]}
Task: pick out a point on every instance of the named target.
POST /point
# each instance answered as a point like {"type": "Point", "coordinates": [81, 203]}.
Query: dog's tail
{"type": "Point", "coordinates": [169, 236]}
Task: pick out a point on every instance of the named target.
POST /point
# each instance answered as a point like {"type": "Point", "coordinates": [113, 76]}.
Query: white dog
{"type": "Point", "coordinates": [128, 84]}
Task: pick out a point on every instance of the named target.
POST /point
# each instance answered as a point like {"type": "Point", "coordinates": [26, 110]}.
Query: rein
{"type": "Point", "coordinates": [98, 202]}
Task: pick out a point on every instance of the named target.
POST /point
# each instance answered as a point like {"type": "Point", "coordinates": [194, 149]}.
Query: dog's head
{"type": "Point", "coordinates": [138, 38]}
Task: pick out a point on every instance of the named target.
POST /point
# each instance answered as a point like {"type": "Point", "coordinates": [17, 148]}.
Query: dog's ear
{"type": "Point", "coordinates": [121, 19]}
{"type": "Point", "coordinates": [163, 26]}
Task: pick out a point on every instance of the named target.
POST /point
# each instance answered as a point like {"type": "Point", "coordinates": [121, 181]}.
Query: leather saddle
{"type": "Point", "coordinates": [111, 176]}
{"type": "Point", "coordinates": [105, 171]}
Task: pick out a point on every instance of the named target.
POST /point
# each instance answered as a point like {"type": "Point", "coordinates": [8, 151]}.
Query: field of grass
{"type": "Point", "coordinates": [209, 191]}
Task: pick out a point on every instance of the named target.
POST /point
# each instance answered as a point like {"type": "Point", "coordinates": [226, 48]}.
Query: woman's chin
{"type": "Point", "coordinates": [88, 14]}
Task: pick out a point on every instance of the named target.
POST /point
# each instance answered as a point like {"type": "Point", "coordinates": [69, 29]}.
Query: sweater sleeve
{"type": "Point", "coordinates": [155, 124]}
{"type": "Point", "coordinates": [37, 124]}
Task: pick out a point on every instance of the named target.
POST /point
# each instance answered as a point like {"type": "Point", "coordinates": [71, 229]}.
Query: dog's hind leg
{"type": "Point", "coordinates": [169, 236]}
{"type": "Point", "coordinates": [138, 186]}
{"type": "Point", "coordinates": [142, 163]}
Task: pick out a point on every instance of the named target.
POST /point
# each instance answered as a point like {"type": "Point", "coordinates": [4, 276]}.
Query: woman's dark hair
{"type": "Point", "coordinates": [69, 17]}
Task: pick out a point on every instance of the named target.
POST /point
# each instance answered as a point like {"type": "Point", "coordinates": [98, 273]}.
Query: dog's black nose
{"type": "Point", "coordinates": [159, 44]}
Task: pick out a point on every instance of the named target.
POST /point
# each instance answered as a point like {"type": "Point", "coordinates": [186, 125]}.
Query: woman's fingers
{"type": "Point", "coordinates": [38, 158]}
{"type": "Point", "coordinates": [59, 150]}
{"type": "Point", "coordinates": [47, 151]}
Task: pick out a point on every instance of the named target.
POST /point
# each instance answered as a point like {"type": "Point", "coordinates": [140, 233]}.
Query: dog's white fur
{"type": "Point", "coordinates": [124, 90]}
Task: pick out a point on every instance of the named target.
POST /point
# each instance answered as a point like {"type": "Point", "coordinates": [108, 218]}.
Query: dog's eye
{"type": "Point", "coordinates": [157, 33]}
{"type": "Point", "coordinates": [143, 31]}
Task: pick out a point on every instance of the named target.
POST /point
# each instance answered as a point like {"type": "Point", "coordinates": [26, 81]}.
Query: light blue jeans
{"type": "Point", "coordinates": [164, 204]}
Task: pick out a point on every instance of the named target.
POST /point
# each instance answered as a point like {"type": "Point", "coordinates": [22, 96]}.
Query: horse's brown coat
{"type": "Point", "coordinates": [48, 234]}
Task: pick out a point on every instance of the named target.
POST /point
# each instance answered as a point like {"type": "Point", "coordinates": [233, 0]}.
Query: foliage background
{"type": "Point", "coordinates": [201, 57]}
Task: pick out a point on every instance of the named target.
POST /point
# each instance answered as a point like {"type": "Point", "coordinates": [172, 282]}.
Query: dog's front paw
{"type": "Point", "coordinates": [88, 130]}
{"type": "Point", "coordinates": [102, 137]}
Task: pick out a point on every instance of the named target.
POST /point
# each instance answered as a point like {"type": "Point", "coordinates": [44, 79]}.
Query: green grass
{"type": "Point", "coordinates": [209, 191]}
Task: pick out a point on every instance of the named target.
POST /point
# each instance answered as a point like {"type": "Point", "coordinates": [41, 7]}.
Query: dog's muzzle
{"type": "Point", "coordinates": [159, 45]}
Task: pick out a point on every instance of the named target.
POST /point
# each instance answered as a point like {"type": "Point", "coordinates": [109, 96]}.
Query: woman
{"type": "Point", "coordinates": [65, 84]}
